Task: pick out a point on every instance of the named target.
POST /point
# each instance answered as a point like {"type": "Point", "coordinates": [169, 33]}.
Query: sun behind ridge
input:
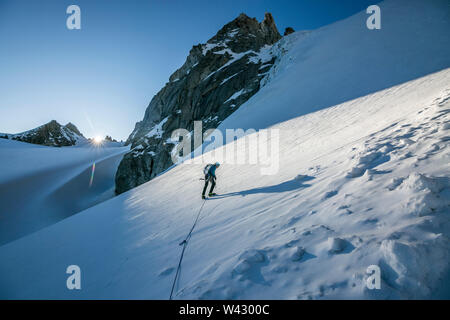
{"type": "Point", "coordinates": [98, 140]}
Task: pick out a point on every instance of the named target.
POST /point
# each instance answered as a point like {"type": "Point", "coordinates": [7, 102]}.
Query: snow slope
{"type": "Point", "coordinates": [42, 185]}
{"type": "Point", "coordinates": [345, 60]}
{"type": "Point", "coordinates": [363, 181]}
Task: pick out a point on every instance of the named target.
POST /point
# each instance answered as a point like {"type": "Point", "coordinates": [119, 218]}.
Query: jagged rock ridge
{"type": "Point", "coordinates": [50, 134]}
{"type": "Point", "coordinates": [215, 80]}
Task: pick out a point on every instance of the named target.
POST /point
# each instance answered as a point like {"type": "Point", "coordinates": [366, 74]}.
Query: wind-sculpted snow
{"type": "Point", "coordinates": [362, 182]}
{"type": "Point", "coordinates": [309, 232]}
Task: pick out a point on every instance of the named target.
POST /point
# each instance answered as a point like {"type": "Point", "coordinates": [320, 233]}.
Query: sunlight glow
{"type": "Point", "coordinates": [98, 140]}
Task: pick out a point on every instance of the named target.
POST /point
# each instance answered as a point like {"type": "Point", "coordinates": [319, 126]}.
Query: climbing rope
{"type": "Point", "coordinates": [184, 243]}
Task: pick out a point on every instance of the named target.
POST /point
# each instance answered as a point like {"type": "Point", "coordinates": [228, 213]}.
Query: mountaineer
{"type": "Point", "coordinates": [210, 176]}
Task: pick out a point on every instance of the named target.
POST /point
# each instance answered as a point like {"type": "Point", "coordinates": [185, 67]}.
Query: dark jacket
{"type": "Point", "coordinates": [212, 171]}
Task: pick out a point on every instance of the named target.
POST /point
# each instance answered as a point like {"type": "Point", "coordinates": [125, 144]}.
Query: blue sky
{"type": "Point", "coordinates": [103, 76]}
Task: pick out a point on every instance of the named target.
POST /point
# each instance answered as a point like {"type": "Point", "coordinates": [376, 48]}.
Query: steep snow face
{"type": "Point", "coordinates": [363, 182]}
{"type": "Point", "coordinates": [345, 60]}
{"type": "Point", "coordinates": [372, 189]}
{"type": "Point", "coordinates": [42, 185]}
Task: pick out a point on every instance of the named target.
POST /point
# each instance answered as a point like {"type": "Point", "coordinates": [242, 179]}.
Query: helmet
{"type": "Point", "coordinates": [217, 164]}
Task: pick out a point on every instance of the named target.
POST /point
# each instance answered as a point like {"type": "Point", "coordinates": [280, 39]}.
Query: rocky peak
{"type": "Point", "coordinates": [215, 80]}
{"type": "Point", "coordinates": [243, 34]}
{"type": "Point", "coordinates": [269, 28]}
{"type": "Point", "coordinates": [110, 139]}
{"type": "Point", "coordinates": [288, 31]}
{"type": "Point", "coordinates": [73, 128]}
{"type": "Point", "coordinates": [50, 134]}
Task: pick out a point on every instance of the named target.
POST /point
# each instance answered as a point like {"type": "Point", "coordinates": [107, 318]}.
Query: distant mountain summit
{"type": "Point", "coordinates": [216, 79]}
{"type": "Point", "coordinates": [50, 134]}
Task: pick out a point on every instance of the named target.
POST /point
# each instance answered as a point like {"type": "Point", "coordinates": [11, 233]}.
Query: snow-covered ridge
{"type": "Point", "coordinates": [263, 56]}
{"type": "Point", "coordinates": [345, 60]}
{"type": "Point", "coordinates": [50, 134]}
{"type": "Point", "coordinates": [157, 130]}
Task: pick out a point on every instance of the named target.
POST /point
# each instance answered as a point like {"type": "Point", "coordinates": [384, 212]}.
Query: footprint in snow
{"type": "Point", "coordinates": [166, 272]}
{"type": "Point", "coordinates": [330, 194]}
{"type": "Point", "coordinates": [292, 221]}
{"type": "Point", "coordinates": [370, 221]}
{"type": "Point", "coordinates": [345, 209]}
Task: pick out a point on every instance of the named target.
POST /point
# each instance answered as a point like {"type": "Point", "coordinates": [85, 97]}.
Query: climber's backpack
{"type": "Point", "coordinates": [206, 169]}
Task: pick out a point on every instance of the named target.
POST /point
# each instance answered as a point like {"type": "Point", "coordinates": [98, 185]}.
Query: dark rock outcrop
{"type": "Point", "coordinates": [70, 126]}
{"type": "Point", "coordinates": [216, 78]}
{"type": "Point", "coordinates": [288, 31]}
{"type": "Point", "coordinates": [50, 134]}
{"type": "Point", "coordinates": [110, 139]}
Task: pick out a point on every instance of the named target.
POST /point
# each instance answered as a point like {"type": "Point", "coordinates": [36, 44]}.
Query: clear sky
{"type": "Point", "coordinates": [103, 76]}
